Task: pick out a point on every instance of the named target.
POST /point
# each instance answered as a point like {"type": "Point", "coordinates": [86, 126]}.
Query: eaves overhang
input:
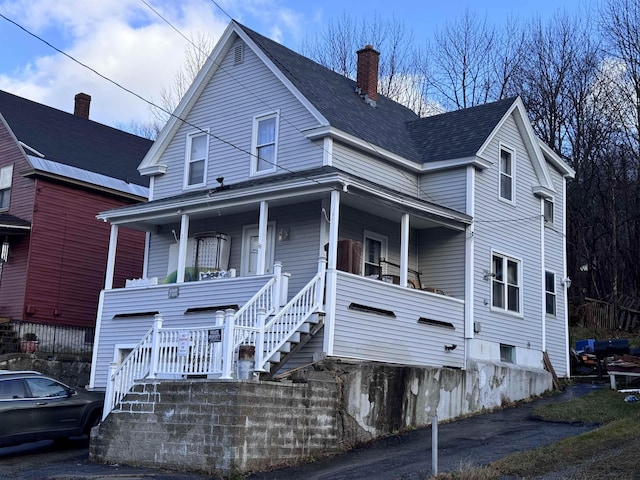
{"type": "Point", "coordinates": [353, 141]}
{"type": "Point", "coordinates": [217, 198]}
{"type": "Point", "coordinates": [408, 204]}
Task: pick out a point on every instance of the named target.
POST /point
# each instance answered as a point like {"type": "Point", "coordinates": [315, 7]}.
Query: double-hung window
{"type": "Point", "coordinates": [265, 143]}
{"type": "Point", "coordinates": [6, 173]}
{"type": "Point", "coordinates": [506, 291]}
{"type": "Point", "coordinates": [506, 174]}
{"type": "Point", "coordinates": [197, 158]}
{"type": "Point", "coordinates": [550, 292]}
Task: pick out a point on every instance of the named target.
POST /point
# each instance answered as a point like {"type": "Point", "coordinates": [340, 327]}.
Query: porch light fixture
{"type": "Point", "coordinates": [283, 234]}
{"type": "Point", "coordinates": [566, 281]}
{"type": "Point", "coordinates": [4, 253]}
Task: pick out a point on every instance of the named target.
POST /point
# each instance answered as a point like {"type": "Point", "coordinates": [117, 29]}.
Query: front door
{"type": "Point", "coordinates": [249, 264]}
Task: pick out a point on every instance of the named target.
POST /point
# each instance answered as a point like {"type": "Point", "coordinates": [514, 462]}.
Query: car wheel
{"type": "Point", "coordinates": [94, 419]}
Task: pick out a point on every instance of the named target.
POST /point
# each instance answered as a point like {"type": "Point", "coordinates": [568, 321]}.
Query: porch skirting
{"type": "Point", "coordinates": [225, 428]}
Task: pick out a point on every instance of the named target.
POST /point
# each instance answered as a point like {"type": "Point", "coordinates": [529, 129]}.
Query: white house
{"type": "Point", "coordinates": [435, 241]}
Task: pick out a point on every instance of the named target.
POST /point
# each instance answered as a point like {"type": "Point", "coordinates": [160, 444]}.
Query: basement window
{"type": "Point", "coordinates": [507, 353]}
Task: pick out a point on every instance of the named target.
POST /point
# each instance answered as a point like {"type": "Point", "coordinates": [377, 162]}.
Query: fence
{"type": "Point", "coordinates": [46, 340]}
{"type": "Point", "coordinates": [607, 315]}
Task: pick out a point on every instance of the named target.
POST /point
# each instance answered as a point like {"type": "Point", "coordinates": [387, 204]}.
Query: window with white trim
{"type": "Point", "coordinates": [195, 172]}
{"type": "Point", "coordinates": [264, 147]}
{"type": "Point", "coordinates": [548, 210]}
{"type": "Point", "coordinates": [507, 353]}
{"type": "Point", "coordinates": [506, 291]}
{"type": "Point", "coordinates": [375, 248]}
{"type": "Point", "coordinates": [506, 174]}
{"type": "Point", "coordinates": [6, 174]}
{"type": "Point", "coordinates": [550, 292]}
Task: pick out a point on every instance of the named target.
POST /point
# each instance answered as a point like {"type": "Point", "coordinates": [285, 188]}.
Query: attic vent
{"type": "Point", "coordinates": [238, 54]}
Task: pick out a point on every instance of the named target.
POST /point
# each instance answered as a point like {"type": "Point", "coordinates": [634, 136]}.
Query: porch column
{"type": "Point", "coordinates": [182, 248]}
{"type": "Point", "coordinates": [332, 276]}
{"type": "Point", "coordinates": [111, 258]}
{"type": "Point", "coordinates": [262, 238]}
{"type": "Point", "coordinates": [404, 249]}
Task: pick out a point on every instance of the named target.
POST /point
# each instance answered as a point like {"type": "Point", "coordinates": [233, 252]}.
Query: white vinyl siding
{"type": "Point", "coordinates": [501, 228]}
{"type": "Point", "coordinates": [226, 107]}
{"type": "Point", "coordinates": [556, 335]}
{"type": "Point", "coordinates": [373, 169]}
{"type": "Point", "coordinates": [399, 338]}
{"type": "Point", "coordinates": [447, 187]}
{"type": "Point", "coordinates": [441, 260]}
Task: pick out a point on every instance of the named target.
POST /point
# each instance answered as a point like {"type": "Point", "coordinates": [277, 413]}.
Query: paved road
{"type": "Point", "coordinates": [477, 440]}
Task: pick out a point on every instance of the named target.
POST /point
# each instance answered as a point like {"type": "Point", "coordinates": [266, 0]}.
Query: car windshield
{"type": "Point", "coordinates": [45, 387]}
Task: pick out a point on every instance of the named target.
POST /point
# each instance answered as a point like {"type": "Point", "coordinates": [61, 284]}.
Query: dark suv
{"type": "Point", "coordinates": [35, 407]}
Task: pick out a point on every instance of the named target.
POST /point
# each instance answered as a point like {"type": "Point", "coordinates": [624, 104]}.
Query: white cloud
{"type": "Point", "coordinates": [123, 40]}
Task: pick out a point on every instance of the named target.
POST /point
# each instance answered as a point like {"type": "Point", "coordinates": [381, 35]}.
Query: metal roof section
{"type": "Point", "coordinates": [86, 177]}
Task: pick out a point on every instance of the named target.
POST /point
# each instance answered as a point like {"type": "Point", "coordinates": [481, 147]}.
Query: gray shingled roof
{"type": "Point", "coordinates": [71, 140]}
{"type": "Point", "coordinates": [457, 134]}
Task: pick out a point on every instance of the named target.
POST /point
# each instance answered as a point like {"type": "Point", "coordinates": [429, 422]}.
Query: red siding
{"type": "Point", "coordinates": [68, 256]}
{"type": "Point", "coordinates": [13, 280]}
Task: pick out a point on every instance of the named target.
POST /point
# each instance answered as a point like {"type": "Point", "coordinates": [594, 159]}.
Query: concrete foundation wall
{"type": "Point", "coordinates": [226, 428]}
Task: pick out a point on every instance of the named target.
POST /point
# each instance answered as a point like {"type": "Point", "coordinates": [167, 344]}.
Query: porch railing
{"type": "Point", "coordinates": [175, 352]}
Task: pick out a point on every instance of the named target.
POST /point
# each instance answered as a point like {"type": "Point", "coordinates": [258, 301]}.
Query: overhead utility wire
{"type": "Point", "coordinates": [239, 82]}
{"type": "Point", "coordinates": [186, 122]}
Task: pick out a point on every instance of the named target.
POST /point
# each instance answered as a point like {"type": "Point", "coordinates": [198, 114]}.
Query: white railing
{"type": "Point", "coordinates": [135, 366]}
{"type": "Point", "coordinates": [175, 352]}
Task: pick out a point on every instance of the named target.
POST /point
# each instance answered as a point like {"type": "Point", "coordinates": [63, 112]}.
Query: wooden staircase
{"type": "Point", "coordinates": [299, 339]}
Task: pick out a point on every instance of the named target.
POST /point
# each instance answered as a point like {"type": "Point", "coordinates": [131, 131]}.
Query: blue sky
{"type": "Point", "coordinates": [126, 41]}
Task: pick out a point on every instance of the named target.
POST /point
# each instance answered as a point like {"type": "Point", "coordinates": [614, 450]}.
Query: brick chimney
{"type": "Point", "coordinates": [367, 76]}
{"type": "Point", "coordinates": [82, 104]}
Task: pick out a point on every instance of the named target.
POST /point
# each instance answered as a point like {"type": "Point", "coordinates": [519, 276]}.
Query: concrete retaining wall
{"type": "Point", "coordinates": [226, 428]}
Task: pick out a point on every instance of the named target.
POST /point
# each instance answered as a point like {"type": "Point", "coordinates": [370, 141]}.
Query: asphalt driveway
{"type": "Point", "coordinates": [478, 440]}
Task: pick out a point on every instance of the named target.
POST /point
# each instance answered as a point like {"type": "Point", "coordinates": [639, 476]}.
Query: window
{"type": "Point", "coordinates": [506, 174]}
{"type": "Point", "coordinates": [6, 173]}
{"type": "Point", "coordinates": [375, 248]}
{"type": "Point", "coordinates": [196, 164]}
{"type": "Point", "coordinates": [506, 291]}
{"type": "Point", "coordinates": [550, 292]}
{"type": "Point", "coordinates": [507, 353]}
{"type": "Point", "coordinates": [548, 210]}
{"type": "Point", "coordinates": [265, 144]}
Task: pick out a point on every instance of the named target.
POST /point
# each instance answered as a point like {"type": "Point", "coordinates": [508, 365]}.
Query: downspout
{"type": "Point", "coordinates": [565, 283]}
{"type": "Point", "coordinates": [542, 275]}
{"type": "Point", "coordinates": [331, 286]}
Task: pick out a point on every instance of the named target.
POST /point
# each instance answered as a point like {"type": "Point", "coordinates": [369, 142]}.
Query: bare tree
{"type": "Point", "coordinates": [196, 53]}
{"type": "Point", "coordinates": [473, 62]}
{"type": "Point", "coordinates": [402, 76]}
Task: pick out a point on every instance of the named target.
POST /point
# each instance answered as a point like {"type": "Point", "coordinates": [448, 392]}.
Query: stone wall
{"type": "Point", "coordinates": [72, 372]}
{"type": "Point", "coordinates": [224, 428]}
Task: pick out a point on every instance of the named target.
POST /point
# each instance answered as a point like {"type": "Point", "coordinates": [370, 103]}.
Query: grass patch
{"type": "Point", "coordinates": [608, 452]}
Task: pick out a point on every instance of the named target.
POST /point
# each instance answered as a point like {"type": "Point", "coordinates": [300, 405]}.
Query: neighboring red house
{"type": "Point", "coordinates": [57, 172]}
